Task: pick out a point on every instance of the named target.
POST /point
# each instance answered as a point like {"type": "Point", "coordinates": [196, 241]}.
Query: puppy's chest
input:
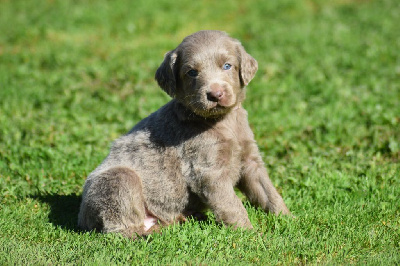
{"type": "Point", "coordinates": [216, 152]}
{"type": "Point", "coordinates": [229, 145]}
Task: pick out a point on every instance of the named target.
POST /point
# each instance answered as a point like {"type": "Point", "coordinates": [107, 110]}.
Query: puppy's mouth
{"type": "Point", "coordinates": [215, 106]}
{"type": "Point", "coordinates": [210, 108]}
{"type": "Point", "coordinates": [223, 102]}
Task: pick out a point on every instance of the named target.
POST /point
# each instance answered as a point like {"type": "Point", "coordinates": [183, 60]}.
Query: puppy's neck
{"type": "Point", "coordinates": [237, 107]}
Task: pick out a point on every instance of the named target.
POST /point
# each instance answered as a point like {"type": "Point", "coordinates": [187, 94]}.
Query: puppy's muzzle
{"type": "Point", "coordinates": [218, 94]}
{"type": "Point", "coordinates": [215, 96]}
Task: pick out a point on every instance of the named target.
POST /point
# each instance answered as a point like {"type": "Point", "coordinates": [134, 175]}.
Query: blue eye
{"type": "Point", "coordinates": [192, 73]}
{"type": "Point", "coordinates": [227, 66]}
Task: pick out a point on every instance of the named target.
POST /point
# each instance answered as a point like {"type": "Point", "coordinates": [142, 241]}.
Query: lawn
{"type": "Point", "coordinates": [324, 107]}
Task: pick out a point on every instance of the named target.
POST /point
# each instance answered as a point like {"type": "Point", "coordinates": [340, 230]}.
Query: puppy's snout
{"type": "Point", "coordinates": [216, 94]}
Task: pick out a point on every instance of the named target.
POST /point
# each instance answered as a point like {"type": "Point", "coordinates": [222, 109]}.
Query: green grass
{"type": "Point", "coordinates": [324, 106]}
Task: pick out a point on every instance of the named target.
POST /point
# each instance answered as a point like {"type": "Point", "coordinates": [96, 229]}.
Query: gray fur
{"type": "Point", "coordinates": [191, 153]}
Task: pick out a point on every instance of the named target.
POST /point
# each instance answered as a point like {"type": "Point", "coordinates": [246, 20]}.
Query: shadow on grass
{"type": "Point", "coordinates": [63, 209]}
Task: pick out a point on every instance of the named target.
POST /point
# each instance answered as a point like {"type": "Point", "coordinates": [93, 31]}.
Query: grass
{"type": "Point", "coordinates": [324, 106]}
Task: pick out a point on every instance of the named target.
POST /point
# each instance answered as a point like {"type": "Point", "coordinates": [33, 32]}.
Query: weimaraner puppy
{"type": "Point", "coordinates": [188, 155]}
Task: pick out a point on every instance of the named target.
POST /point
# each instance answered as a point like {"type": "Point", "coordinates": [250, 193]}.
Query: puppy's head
{"type": "Point", "coordinates": [207, 72]}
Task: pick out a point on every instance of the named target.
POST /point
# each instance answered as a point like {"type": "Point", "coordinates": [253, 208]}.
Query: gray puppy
{"type": "Point", "coordinates": [190, 154]}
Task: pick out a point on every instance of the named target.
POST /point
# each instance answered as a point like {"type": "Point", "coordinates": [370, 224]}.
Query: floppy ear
{"type": "Point", "coordinates": [248, 66]}
{"type": "Point", "coordinates": [165, 74]}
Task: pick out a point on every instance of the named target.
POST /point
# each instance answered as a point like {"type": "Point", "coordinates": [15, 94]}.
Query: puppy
{"type": "Point", "coordinates": [190, 154]}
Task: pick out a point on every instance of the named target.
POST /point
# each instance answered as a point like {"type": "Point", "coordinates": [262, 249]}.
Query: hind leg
{"type": "Point", "coordinates": [113, 202]}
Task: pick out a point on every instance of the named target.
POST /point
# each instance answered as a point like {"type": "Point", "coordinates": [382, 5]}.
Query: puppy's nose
{"type": "Point", "coordinates": [216, 93]}
{"type": "Point", "coordinates": [215, 96]}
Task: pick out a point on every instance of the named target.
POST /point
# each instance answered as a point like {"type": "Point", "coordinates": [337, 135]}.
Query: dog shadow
{"type": "Point", "coordinates": [63, 209]}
